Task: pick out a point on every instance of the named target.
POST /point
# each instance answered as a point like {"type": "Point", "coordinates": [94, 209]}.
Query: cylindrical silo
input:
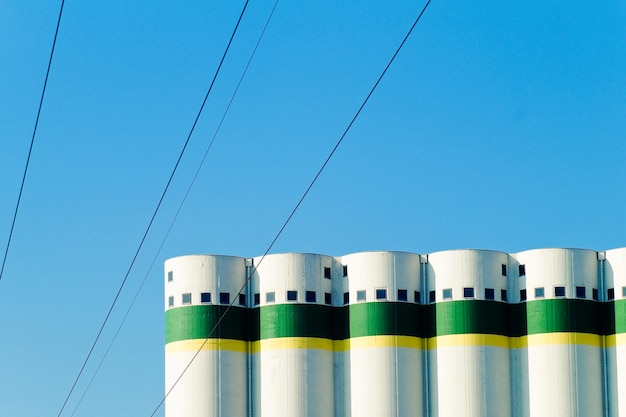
{"type": "Point", "coordinates": [198, 290]}
{"type": "Point", "coordinates": [614, 294]}
{"type": "Point", "coordinates": [468, 356]}
{"type": "Point", "coordinates": [292, 360]}
{"type": "Point", "coordinates": [563, 346]}
{"type": "Point", "coordinates": [383, 347]}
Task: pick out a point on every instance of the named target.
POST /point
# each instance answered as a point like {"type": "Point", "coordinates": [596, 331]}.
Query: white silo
{"type": "Point", "coordinates": [383, 355]}
{"type": "Point", "coordinates": [469, 368]}
{"type": "Point", "coordinates": [198, 290]}
{"type": "Point", "coordinates": [292, 362]}
{"type": "Point", "coordinates": [614, 295]}
{"type": "Point", "coordinates": [563, 323]}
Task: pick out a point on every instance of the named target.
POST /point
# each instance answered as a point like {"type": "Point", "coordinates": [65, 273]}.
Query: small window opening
{"type": "Point", "coordinates": [205, 297]}
{"type": "Point", "coordinates": [292, 295]}
{"type": "Point", "coordinates": [310, 297]}
{"type": "Point", "coordinates": [224, 298]}
{"type": "Point", "coordinates": [326, 272]}
{"type": "Point", "coordinates": [328, 299]}
{"type": "Point", "coordinates": [490, 294]}
{"type": "Point", "coordinates": [403, 295]}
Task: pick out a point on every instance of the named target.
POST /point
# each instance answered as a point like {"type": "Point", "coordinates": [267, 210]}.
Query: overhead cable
{"type": "Point", "coordinates": [32, 141]}
{"type": "Point", "coordinates": [169, 181]}
{"type": "Point", "coordinates": [217, 130]}
{"type": "Point", "coordinates": [293, 212]}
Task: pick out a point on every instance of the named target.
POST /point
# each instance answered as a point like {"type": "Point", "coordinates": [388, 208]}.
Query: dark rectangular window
{"type": "Point", "coordinates": [170, 301]}
{"type": "Point", "coordinates": [346, 298]}
{"type": "Point", "coordinates": [360, 295]}
{"type": "Point", "coordinates": [539, 292]}
{"type": "Point", "coordinates": [381, 294]}
{"type": "Point", "coordinates": [490, 294]}
{"type": "Point", "coordinates": [326, 272]}
{"type": "Point", "coordinates": [594, 294]}
{"type": "Point", "coordinates": [403, 295]}
{"type": "Point", "coordinates": [522, 295]}
{"type": "Point", "coordinates": [310, 297]}
{"type": "Point", "coordinates": [242, 300]}
{"type": "Point", "coordinates": [447, 294]}
{"type": "Point", "coordinates": [468, 292]}
{"type": "Point", "coordinates": [170, 276]}
{"type": "Point", "coordinates": [187, 298]}
{"type": "Point", "coordinates": [559, 291]}
{"type": "Point", "coordinates": [270, 297]}
{"type": "Point", "coordinates": [224, 298]}
{"type": "Point", "coordinates": [581, 292]}
{"type": "Point", "coordinates": [345, 270]}
{"type": "Point", "coordinates": [504, 270]}
{"type": "Point", "coordinates": [522, 270]}
{"type": "Point", "coordinates": [292, 295]}
{"type": "Point", "coordinates": [328, 298]}
{"type": "Point", "coordinates": [431, 297]}
{"type": "Point", "coordinates": [610, 294]}
{"type": "Point", "coordinates": [623, 291]}
{"type": "Point", "coordinates": [417, 297]}
{"type": "Point", "coordinates": [503, 295]}
{"type": "Point", "coordinates": [257, 299]}
{"type": "Point", "coordinates": [205, 297]}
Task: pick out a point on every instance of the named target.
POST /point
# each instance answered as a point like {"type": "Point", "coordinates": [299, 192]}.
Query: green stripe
{"type": "Point", "coordinates": [394, 318]}
{"type": "Point", "coordinates": [197, 322]}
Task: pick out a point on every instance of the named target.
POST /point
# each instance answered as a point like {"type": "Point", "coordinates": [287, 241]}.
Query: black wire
{"type": "Point", "coordinates": [179, 207]}
{"type": "Point", "coordinates": [32, 141]}
{"type": "Point", "coordinates": [319, 172]}
{"type": "Point", "coordinates": [155, 211]}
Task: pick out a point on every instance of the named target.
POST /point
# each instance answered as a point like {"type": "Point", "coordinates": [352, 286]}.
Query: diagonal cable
{"type": "Point", "coordinates": [180, 207]}
{"type": "Point", "coordinates": [32, 141]}
{"type": "Point", "coordinates": [169, 181]}
{"type": "Point", "coordinates": [293, 212]}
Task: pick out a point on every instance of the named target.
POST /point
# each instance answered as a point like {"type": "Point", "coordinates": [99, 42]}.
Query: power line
{"type": "Point", "coordinates": [169, 181]}
{"type": "Point", "coordinates": [306, 192]}
{"type": "Point", "coordinates": [217, 130]}
{"type": "Point", "coordinates": [32, 141]}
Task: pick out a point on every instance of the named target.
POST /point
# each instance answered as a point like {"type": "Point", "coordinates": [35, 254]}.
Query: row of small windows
{"type": "Point", "coordinates": [381, 294]}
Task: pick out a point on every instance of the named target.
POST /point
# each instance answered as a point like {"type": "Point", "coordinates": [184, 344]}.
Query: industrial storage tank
{"type": "Point", "coordinates": [198, 290]}
{"type": "Point", "coordinates": [613, 266]}
{"type": "Point", "coordinates": [292, 338]}
{"type": "Point", "coordinates": [468, 355]}
{"type": "Point", "coordinates": [382, 347]}
{"type": "Point", "coordinates": [563, 346]}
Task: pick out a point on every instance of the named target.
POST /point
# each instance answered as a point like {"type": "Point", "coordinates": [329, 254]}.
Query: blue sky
{"type": "Point", "coordinates": [499, 126]}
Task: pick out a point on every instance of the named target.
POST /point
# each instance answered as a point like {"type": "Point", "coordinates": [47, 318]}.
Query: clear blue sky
{"type": "Point", "coordinates": [501, 125]}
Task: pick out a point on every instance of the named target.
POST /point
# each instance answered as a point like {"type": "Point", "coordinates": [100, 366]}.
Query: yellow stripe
{"type": "Point", "coordinates": [557, 339]}
{"type": "Point", "coordinates": [211, 344]}
{"type": "Point", "coordinates": [468, 340]}
{"type": "Point", "coordinates": [283, 343]}
{"type": "Point", "coordinates": [408, 342]}
{"type": "Point", "coordinates": [615, 340]}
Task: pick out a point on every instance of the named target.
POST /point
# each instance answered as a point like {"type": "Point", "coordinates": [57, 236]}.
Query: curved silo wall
{"type": "Point", "coordinates": [468, 355]}
{"type": "Point", "coordinates": [382, 345]}
{"type": "Point", "coordinates": [293, 358]}
{"type": "Point", "coordinates": [215, 385]}
{"type": "Point", "coordinates": [563, 325]}
{"type": "Point", "coordinates": [614, 293]}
